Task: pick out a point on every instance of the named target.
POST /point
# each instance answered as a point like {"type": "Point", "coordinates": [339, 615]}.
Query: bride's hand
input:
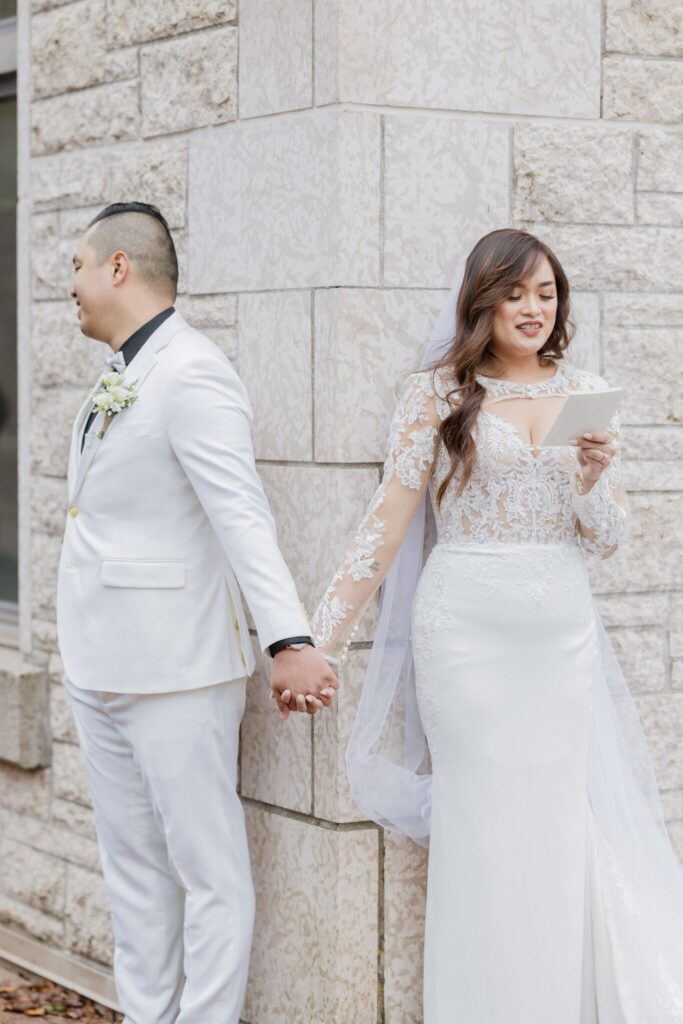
{"type": "Point", "coordinates": [595, 452]}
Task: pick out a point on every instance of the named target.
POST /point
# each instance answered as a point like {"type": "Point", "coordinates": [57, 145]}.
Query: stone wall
{"type": "Point", "coordinates": [321, 190]}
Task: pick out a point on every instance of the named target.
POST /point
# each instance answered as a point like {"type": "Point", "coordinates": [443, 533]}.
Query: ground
{"type": "Point", "coordinates": [24, 997]}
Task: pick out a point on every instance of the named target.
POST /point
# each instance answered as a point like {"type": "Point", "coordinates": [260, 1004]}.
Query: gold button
{"type": "Point", "coordinates": [73, 511]}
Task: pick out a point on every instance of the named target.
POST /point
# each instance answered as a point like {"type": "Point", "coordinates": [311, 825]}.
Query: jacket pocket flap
{"type": "Point", "coordinates": [135, 572]}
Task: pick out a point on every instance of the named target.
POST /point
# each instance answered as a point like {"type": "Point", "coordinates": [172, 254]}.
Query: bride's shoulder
{"type": "Point", "coordinates": [583, 380]}
{"type": "Point", "coordinates": [431, 390]}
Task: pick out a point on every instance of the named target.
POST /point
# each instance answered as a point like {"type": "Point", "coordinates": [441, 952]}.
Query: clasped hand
{"type": "Point", "coordinates": [302, 681]}
{"type": "Point", "coordinates": [595, 452]}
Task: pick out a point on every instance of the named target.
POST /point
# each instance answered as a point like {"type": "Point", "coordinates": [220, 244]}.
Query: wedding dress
{"type": "Point", "coordinates": [534, 915]}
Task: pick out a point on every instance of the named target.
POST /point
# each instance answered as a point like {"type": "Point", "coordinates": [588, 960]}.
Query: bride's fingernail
{"type": "Point", "coordinates": [589, 437]}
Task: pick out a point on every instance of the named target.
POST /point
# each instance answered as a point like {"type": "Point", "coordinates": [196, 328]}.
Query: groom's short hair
{"type": "Point", "coordinates": [141, 231]}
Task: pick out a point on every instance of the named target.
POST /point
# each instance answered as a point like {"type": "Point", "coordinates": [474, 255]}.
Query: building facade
{"type": "Point", "coordinates": [324, 166]}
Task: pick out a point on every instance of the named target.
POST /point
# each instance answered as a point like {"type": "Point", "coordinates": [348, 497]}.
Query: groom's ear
{"type": "Point", "coordinates": [120, 267]}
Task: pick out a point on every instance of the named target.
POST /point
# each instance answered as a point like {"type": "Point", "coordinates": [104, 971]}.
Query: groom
{"type": "Point", "coordinates": [166, 523]}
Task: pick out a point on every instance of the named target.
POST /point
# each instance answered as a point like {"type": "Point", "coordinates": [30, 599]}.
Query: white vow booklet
{"type": "Point", "coordinates": [584, 412]}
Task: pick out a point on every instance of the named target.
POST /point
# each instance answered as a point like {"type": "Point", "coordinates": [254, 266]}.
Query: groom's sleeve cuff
{"type": "Point", "coordinates": [279, 645]}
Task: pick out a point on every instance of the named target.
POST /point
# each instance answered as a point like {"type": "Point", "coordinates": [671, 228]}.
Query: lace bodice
{"type": "Point", "coordinates": [518, 492]}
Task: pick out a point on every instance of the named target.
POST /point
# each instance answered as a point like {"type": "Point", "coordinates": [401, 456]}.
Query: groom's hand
{"type": "Point", "coordinates": [302, 681]}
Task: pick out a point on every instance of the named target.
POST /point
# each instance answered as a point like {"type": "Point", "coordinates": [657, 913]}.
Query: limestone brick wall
{"type": "Point", "coordinates": [324, 165]}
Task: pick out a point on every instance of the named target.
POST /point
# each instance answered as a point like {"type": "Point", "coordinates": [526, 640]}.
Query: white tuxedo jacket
{"type": "Point", "coordinates": [166, 516]}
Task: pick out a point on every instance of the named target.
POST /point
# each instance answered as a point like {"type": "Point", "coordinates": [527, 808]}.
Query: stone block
{"type": "Point", "coordinates": [447, 182]}
{"type": "Point", "coordinates": [332, 730]}
{"type": "Point", "coordinates": [643, 309]}
{"type": "Point", "coordinates": [461, 56]}
{"type": "Point", "coordinates": [57, 65]}
{"type": "Point", "coordinates": [288, 203]}
{"type": "Point", "coordinates": [103, 114]}
{"type": "Point", "coordinates": [274, 331]}
{"type": "Point", "coordinates": [34, 922]}
{"type": "Point", "coordinates": [209, 311]}
{"type": "Point", "coordinates": [611, 257]}
{"type": "Point", "coordinates": [634, 609]}
{"type": "Point", "coordinates": [45, 551]}
{"type": "Point", "coordinates": [672, 804]}
{"type": "Point", "coordinates": [317, 510]}
{"type": "Point", "coordinates": [24, 712]}
{"type": "Point", "coordinates": [61, 716]}
{"type": "Point", "coordinates": [660, 160]}
{"type": "Point", "coordinates": [69, 778]}
{"type": "Point", "coordinates": [677, 674]}
{"type": "Point", "coordinates": [651, 559]}
{"type": "Point", "coordinates": [275, 756]}
{"type": "Point", "coordinates": [153, 172]}
{"type": "Point", "coordinates": [654, 28]}
{"type": "Point", "coordinates": [328, 903]}
{"type": "Point", "coordinates": [33, 877]}
{"type": "Point", "coordinates": [657, 208]}
{"type": "Point", "coordinates": [649, 397]}
{"type": "Point", "coordinates": [88, 919]}
{"type": "Point", "coordinates": [74, 818]}
{"type": "Point", "coordinates": [51, 265]}
{"type": "Point", "coordinates": [48, 504]}
{"type": "Point", "coordinates": [366, 341]}
{"type": "Point", "coordinates": [653, 443]}
{"type": "Point", "coordinates": [52, 419]}
{"type": "Point", "coordinates": [636, 89]}
{"type": "Point", "coordinates": [584, 349]}
{"type": "Point", "coordinates": [654, 475]}
{"type": "Point", "coordinates": [136, 21]}
{"type": "Point", "coordinates": [61, 356]}
{"type": "Point", "coordinates": [662, 718]}
{"type": "Point", "coordinates": [276, 56]}
{"type": "Point", "coordinates": [26, 792]}
{"type": "Point", "coordinates": [405, 889]}
{"type": "Point", "coordinates": [44, 635]}
{"type": "Point", "coordinates": [189, 82]}
{"type": "Point", "coordinates": [53, 844]}
{"type": "Point", "coordinates": [676, 621]}
{"type": "Point", "coordinates": [573, 173]}
{"type": "Point", "coordinates": [642, 654]}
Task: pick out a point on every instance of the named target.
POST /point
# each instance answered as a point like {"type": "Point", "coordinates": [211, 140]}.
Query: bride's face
{"type": "Point", "coordinates": [523, 322]}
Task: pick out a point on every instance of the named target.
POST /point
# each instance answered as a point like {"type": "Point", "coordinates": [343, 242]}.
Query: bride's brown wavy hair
{"type": "Point", "coordinates": [496, 265]}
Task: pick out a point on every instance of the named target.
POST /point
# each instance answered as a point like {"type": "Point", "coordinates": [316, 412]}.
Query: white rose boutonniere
{"type": "Point", "coordinates": [113, 395]}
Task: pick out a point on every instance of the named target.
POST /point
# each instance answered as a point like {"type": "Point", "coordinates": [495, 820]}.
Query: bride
{"type": "Point", "coordinates": [553, 896]}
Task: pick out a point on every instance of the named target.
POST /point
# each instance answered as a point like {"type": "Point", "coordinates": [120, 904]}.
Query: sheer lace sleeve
{"type": "Point", "coordinates": [413, 440]}
{"type": "Point", "coordinates": [602, 511]}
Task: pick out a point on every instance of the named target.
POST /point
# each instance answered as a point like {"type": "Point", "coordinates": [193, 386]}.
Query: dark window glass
{"type": "Point", "coordinates": [8, 8]}
{"type": "Point", "coordinates": [8, 351]}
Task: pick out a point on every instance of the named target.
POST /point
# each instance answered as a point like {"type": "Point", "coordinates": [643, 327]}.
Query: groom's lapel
{"type": "Point", "coordinates": [136, 373]}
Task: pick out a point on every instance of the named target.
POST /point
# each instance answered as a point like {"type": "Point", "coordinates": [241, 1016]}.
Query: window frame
{"type": "Point", "coordinates": [9, 86]}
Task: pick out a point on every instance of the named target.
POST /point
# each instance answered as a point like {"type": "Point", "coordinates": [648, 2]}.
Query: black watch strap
{"type": "Point", "coordinates": [280, 645]}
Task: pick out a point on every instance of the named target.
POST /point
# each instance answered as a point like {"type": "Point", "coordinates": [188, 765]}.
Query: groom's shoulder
{"type": "Point", "coordinates": [191, 349]}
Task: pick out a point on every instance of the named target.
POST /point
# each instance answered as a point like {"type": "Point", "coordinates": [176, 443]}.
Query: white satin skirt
{"type": "Point", "coordinates": [529, 919]}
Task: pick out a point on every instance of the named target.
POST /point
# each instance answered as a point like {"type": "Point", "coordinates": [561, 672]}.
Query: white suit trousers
{"type": "Point", "coordinates": [162, 769]}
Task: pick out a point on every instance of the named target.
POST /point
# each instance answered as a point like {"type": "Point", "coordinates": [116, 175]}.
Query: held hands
{"type": "Point", "coordinates": [302, 681]}
{"type": "Point", "coordinates": [595, 452]}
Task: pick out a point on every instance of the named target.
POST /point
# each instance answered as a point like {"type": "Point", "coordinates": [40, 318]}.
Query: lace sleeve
{"type": "Point", "coordinates": [602, 512]}
{"type": "Point", "coordinates": [413, 440]}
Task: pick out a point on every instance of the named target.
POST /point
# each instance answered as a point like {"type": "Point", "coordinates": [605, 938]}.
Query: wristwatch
{"type": "Point", "coordinates": [292, 643]}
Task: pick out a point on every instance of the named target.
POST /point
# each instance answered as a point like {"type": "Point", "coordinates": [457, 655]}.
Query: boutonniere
{"type": "Point", "coordinates": [113, 395]}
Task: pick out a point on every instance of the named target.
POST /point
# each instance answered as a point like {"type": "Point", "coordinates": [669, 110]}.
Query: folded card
{"type": "Point", "coordinates": [584, 412]}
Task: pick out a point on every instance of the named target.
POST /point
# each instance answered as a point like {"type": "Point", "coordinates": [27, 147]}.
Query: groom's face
{"type": "Point", "coordinates": [92, 290]}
